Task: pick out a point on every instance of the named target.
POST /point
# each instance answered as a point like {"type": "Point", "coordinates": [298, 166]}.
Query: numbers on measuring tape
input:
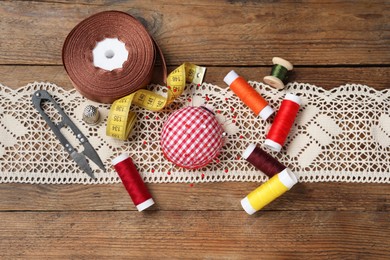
{"type": "Point", "coordinates": [116, 135]}
{"type": "Point", "coordinates": [160, 103]}
{"type": "Point", "coordinates": [177, 70]}
{"type": "Point", "coordinates": [176, 79]}
{"type": "Point", "coordinates": [119, 109]}
{"type": "Point", "coordinates": [117, 118]}
{"type": "Point", "coordinates": [116, 128]}
{"type": "Point", "coordinates": [191, 73]}
{"type": "Point", "coordinates": [141, 97]}
{"type": "Point", "coordinates": [150, 101]}
{"type": "Point", "coordinates": [120, 120]}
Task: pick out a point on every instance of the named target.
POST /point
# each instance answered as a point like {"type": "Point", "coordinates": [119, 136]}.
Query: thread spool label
{"type": "Point", "coordinates": [121, 120]}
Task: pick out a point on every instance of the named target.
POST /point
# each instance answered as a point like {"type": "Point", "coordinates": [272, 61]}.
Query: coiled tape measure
{"type": "Point", "coordinates": [121, 120]}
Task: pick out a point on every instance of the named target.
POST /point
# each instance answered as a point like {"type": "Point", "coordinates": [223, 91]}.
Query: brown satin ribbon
{"type": "Point", "coordinates": [106, 86]}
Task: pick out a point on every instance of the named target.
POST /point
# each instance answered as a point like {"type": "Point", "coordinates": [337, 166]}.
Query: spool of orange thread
{"type": "Point", "coordinates": [248, 95]}
{"type": "Point", "coordinates": [283, 122]}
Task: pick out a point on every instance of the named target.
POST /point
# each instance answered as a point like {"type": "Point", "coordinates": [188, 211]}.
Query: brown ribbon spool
{"type": "Point", "coordinates": [102, 85]}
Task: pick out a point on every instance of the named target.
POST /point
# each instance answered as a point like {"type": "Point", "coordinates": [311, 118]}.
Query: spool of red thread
{"type": "Point", "coordinates": [283, 122]}
{"type": "Point", "coordinates": [133, 182]}
{"type": "Point", "coordinates": [262, 160]}
{"type": "Point", "coordinates": [248, 95]}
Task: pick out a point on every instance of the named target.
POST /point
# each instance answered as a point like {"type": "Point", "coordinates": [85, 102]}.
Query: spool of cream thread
{"type": "Point", "coordinates": [273, 143]}
{"type": "Point", "coordinates": [275, 80]}
{"type": "Point", "coordinates": [248, 95]}
{"type": "Point", "coordinates": [269, 191]}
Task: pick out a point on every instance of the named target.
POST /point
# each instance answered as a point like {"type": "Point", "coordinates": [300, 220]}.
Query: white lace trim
{"type": "Point", "coordinates": [339, 135]}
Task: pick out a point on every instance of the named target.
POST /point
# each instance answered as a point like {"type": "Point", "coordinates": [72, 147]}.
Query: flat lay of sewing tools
{"type": "Point", "coordinates": [101, 66]}
{"type": "Point", "coordinates": [41, 96]}
{"type": "Point", "coordinates": [304, 176]}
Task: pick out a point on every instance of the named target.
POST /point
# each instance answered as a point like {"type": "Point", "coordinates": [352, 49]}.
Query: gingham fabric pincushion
{"type": "Point", "coordinates": [191, 137]}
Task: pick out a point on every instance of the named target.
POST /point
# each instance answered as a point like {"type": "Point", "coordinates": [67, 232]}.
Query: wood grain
{"type": "Point", "coordinates": [376, 77]}
{"type": "Point", "coordinates": [200, 197]}
{"type": "Point", "coordinates": [213, 32]}
{"type": "Point", "coordinates": [194, 235]}
{"type": "Point", "coordinates": [331, 43]}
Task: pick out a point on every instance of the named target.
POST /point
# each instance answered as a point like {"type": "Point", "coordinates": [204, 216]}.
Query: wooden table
{"type": "Point", "coordinates": [330, 43]}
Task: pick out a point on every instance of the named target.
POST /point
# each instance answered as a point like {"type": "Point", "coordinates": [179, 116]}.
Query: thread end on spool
{"type": "Point", "coordinates": [246, 205]}
{"type": "Point", "coordinates": [266, 112]}
{"type": "Point", "coordinates": [288, 178]}
{"type": "Point", "coordinates": [274, 146]}
{"type": "Point", "coordinates": [120, 158]}
{"type": "Point", "coordinates": [248, 151]}
{"type": "Point", "coordinates": [230, 77]}
{"type": "Point", "coordinates": [274, 82]}
{"type": "Point", "coordinates": [146, 204]}
{"type": "Point", "coordinates": [283, 62]}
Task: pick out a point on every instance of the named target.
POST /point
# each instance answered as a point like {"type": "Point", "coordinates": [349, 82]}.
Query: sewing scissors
{"type": "Point", "coordinates": [79, 158]}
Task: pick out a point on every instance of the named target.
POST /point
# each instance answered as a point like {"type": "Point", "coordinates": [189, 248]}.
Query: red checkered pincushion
{"type": "Point", "coordinates": [191, 137]}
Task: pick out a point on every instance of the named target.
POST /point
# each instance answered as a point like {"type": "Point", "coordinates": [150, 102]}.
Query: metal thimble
{"type": "Point", "coordinates": [91, 115]}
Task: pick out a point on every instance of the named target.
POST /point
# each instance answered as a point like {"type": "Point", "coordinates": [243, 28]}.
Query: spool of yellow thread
{"type": "Point", "coordinates": [269, 191]}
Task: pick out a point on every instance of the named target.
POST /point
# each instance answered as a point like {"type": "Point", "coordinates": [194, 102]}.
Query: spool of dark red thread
{"type": "Point", "coordinates": [133, 182]}
{"type": "Point", "coordinates": [283, 122]}
{"type": "Point", "coordinates": [262, 160]}
{"type": "Point", "coordinates": [281, 179]}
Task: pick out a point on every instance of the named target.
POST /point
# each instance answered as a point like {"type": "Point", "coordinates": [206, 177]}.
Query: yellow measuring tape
{"type": "Point", "coordinates": [121, 120]}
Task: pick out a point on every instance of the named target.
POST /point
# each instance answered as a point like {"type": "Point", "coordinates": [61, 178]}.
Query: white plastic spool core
{"type": "Point", "coordinates": [272, 145]}
{"type": "Point", "coordinates": [230, 77]}
{"type": "Point", "coordinates": [146, 204]}
{"type": "Point", "coordinates": [120, 158]}
{"type": "Point", "coordinates": [288, 178]}
{"type": "Point", "coordinates": [248, 151]}
{"type": "Point", "coordinates": [110, 54]}
{"type": "Point", "coordinates": [266, 112]}
{"type": "Point", "coordinates": [246, 205]}
{"type": "Point", "coordinates": [293, 98]}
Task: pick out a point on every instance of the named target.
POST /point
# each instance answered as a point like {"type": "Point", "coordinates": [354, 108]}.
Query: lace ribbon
{"type": "Point", "coordinates": [339, 135]}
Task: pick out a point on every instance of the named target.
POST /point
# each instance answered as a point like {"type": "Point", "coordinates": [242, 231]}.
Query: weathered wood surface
{"type": "Point", "coordinates": [195, 235]}
{"type": "Point", "coordinates": [327, 78]}
{"type": "Point", "coordinates": [213, 32]}
{"type": "Point", "coordinates": [331, 43]}
{"type": "Point", "coordinates": [226, 196]}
